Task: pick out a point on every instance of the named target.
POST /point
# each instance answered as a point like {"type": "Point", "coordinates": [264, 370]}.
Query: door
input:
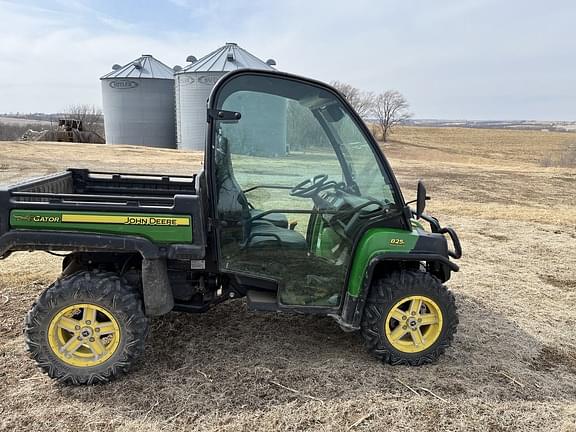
{"type": "Point", "coordinates": [295, 179]}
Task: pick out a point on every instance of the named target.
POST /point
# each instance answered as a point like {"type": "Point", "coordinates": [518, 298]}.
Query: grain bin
{"type": "Point", "coordinates": [193, 85]}
{"type": "Point", "coordinates": [138, 104]}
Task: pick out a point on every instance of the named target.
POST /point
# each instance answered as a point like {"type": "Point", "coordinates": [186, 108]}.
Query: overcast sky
{"type": "Point", "coordinates": [452, 59]}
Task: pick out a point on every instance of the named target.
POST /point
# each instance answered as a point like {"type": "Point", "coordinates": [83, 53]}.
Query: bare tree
{"type": "Point", "coordinates": [390, 108]}
{"type": "Point", "coordinates": [90, 116]}
{"type": "Point", "coordinates": [361, 101]}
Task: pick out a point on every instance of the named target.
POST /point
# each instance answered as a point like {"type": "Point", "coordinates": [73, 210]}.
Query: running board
{"type": "Point", "coordinates": [262, 300]}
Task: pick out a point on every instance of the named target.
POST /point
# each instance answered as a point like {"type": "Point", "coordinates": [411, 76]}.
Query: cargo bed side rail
{"type": "Point", "coordinates": [105, 182]}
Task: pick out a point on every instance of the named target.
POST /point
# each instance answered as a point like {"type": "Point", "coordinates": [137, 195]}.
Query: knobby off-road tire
{"type": "Point", "coordinates": [111, 340]}
{"type": "Point", "coordinates": [390, 306]}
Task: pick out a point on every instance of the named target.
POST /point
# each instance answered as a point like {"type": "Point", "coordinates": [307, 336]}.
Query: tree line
{"type": "Point", "coordinates": [388, 109]}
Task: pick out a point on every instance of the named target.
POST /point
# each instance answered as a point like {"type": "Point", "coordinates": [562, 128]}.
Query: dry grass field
{"type": "Point", "coordinates": [512, 365]}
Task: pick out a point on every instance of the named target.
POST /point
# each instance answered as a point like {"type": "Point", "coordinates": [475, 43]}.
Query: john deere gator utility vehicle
{"type": "Point", "coordinates": [315, 225]}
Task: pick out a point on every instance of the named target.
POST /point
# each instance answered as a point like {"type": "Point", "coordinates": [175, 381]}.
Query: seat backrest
{"type": "Point", "coordinates": [232, 203]}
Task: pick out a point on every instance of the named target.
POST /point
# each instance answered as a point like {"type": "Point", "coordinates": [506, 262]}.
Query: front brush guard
{"type": "Point", "coordinates": [436, 228]}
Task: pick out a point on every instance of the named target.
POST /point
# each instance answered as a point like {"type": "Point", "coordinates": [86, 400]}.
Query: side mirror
{"type": "Point", "coordinates": [421, 199]}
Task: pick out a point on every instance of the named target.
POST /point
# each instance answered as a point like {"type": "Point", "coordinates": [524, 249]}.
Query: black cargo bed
{"type": "Point", "coordinates": [82, 189]}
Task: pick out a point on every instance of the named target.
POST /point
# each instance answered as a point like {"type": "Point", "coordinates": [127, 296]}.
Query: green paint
{"type": "Point", "coordinates": [375, 242]}
{"type": "Point", "coordinates": [315, 237]}
{"type": "Point", "coordinates": [328, 241]}
{"type": "Point", "coordinates": [324, 239]}
{"type": "Point", "coordinates": [154, 227]}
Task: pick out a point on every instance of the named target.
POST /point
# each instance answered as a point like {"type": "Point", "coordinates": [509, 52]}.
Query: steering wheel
{"type": "Point", "coordinates": [309, 187]}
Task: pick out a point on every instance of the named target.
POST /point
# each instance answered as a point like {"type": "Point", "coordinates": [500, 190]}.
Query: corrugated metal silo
{"type": "Point", "coordinates": [138, 104]}
{"type": "Point", "coordinates": [193, 85]}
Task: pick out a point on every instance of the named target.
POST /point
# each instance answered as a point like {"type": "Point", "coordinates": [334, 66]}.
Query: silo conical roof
{"type": "Point", "coordinates": [143, 67]}
{"type": "Point", "coordinates": [225, 59]}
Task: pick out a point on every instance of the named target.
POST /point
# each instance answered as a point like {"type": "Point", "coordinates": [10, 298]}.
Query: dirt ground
{"type": "Point", "coordinates": [512, 365]}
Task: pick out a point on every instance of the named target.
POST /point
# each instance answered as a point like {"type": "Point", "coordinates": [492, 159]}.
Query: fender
{"type": "Point", "coordinates": [24, 240]}
{"type": "Point", "coordinates": [380, 245]}
{"type": "Point", "coordinates": [157, 293]}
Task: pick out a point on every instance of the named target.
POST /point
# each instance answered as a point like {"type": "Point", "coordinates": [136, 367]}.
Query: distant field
{"type": "Point", "coordinates": [21, 121]}
{"type": "Point", "coordinates": [534, 125]}
{"type": "Point", "coordinates": [512, 365]}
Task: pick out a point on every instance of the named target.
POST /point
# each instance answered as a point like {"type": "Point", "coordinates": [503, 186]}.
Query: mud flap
{"type": "Point", "coordinates": [158, 298]}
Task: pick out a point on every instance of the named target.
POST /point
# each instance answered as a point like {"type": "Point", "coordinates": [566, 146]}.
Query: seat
{"type": "Point", "coordinates": [233, 208]}
{"type": "Point", "coordinates": [277, 219]}
{"type": "Point", "coordinates": [271, 236]}
{"type": "Point", "coordinates": [232, 204]}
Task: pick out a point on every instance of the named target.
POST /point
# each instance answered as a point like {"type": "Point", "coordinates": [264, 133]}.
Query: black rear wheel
{"type": "Point", "coordinates": [86, 328]}
{"type": "Point", "coordinates": [410, 318]}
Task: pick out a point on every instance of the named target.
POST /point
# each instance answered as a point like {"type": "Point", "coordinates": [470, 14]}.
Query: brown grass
{"type": "Point", "coordinates": [566, 159]}
{"type": "Point", "coordinates": [511, 367]}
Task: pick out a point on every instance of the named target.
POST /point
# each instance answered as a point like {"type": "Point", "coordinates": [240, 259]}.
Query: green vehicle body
{"type": "Point", "coordinates": [170, 228]}
{"type": "Point", "coordinates": [158, 228]}
{"type": "Point", "coordinates": [173, 238]}
{"type": "Point", "coordinates": [378, 242]}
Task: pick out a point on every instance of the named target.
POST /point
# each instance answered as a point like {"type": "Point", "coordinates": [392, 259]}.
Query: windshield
{"type": "Point", "coordinates": [366, 175]}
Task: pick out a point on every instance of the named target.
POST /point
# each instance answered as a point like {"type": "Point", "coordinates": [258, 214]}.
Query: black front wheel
{"type": "Point", "coordinates": [410, 318]}
{"type": "Point", "coordinates": [86, 328]}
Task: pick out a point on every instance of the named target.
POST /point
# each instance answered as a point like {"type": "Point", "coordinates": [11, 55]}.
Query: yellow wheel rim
{"type": "Point", "coordinates": [413, 324]}
{"type": "Point", "coordinates": [84, 335]}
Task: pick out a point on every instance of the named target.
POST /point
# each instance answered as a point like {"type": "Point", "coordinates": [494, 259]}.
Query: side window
{"type": "Point", "coordinates": [304, 134]}
{"type": "Point", "coordinates": [278, 142]}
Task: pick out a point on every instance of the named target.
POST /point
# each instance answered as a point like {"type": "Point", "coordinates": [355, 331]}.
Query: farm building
{"type": "Point", "coordinates": [193, 85]}
{"type": "Point", "coordinates": [138, 103]}
{"type": "Point", "coordinates": [147, 103]}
